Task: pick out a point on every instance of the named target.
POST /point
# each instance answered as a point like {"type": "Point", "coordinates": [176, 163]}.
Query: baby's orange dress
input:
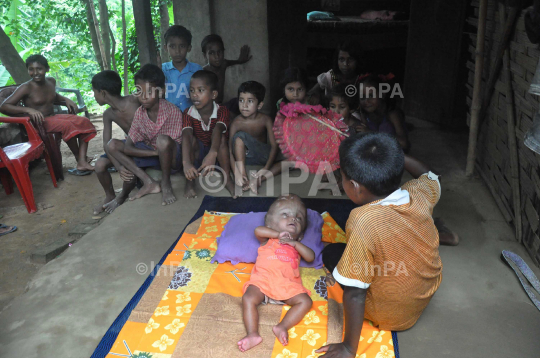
{"type": "Point", "coordinates": [276, 272]}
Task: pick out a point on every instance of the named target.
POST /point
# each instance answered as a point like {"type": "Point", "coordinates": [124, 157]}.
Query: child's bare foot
{"type": "Point", "coordinates": [85, 166]}
{"type": "Point", "coordinates": [446, 236]}
{"type": "Point", "coordinates": [101, 208]}
{"type": "Point", "coordinates": [113, 204]}
{"type": "Point", "coordinates": [230, 187]}
{"type": "Point", "coordinates": [249, 341]}
{"type": "Point", "coordinates": [281, 334]}
{"type": "Point", "coordinates": [168, 195]}
{"type": "Point", "coordinates": [254, 186]}
{"type": "Point", "coordinates": [330, 280]}
{"type": "Point", "coordinates": [189, 190]}
{"type": "Point", "coordinates": [152, 188]}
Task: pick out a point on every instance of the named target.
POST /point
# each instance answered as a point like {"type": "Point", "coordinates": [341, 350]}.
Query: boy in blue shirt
{"type": "Point", "coordinates": [178, 72]}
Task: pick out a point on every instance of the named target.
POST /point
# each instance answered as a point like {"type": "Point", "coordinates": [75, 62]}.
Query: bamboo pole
{"type": "Point", "coordinates": [476, 101]}
{"type": "Point", "coordinates": [512, 145]}
{"type": "Point", "coordinates": [124, 48]}
{"type": "Point", "coordinates": [490, 87]}
{"type": "Point", "coordinates": [326, 124]}
{"type": "Point", "coordinates": [100, 42]}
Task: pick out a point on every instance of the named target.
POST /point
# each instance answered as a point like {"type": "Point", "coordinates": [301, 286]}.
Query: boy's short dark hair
{"type": "Point", "coordinates": [341, 92]}
{"type": "Point", "coordinates": [209, 77]}
{"type": "Point", "coordinates": [374, 160]}
{"type": "Point", "coordinates": [109, 81]}
{"type": "Point", "coordinates": [253, 87]}
{"type": "Point", "coordinates": [152, 74]}
{"type": "Point", "coordinates": [211, 39]}
{"type": "Point", "coordinates": [177, 31]}
{"type": "Point", "coordinates": [37, 58]}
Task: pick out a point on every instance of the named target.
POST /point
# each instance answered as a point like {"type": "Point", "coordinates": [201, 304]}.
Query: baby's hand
{"type": "Point", "coordinates": [285, 238]}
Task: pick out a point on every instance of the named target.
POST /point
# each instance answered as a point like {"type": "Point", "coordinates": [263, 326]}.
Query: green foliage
{"type": "Point", "coordinates": [58, 29]}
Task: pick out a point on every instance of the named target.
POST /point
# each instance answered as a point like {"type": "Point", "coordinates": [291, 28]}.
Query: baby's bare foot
{"type": "Point", "coordinates": [281, 334]}
{"type": "Point", "coordinates": [249, 341]}
{"type": "Point", "coordinates": [152, 188]}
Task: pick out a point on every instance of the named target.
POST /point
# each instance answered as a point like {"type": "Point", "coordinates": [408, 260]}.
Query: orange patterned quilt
{"type": "Point", "coordinates": [194, 308]}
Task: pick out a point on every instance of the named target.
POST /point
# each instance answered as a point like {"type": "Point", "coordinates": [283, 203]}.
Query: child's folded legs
{"type": "Point", "coordinates": [153, 162]}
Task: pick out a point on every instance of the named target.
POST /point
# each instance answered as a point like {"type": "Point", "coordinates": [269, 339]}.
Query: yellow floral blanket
{"type": "Point", "coordinates": [194, 308]}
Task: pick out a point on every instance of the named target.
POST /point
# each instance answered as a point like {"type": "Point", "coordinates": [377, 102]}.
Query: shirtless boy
{"type": "Point", "coordinates": [107, 87]}
{"type": "Point", "coordinates": [252, 140]}
{"type": "Point", "coordinates": [39, 97]}
{"type": "Point", "coordinates": [214, 52]}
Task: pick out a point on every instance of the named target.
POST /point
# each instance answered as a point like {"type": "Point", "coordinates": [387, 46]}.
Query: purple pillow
{"type": "Point", "coordinates": [238, 243]}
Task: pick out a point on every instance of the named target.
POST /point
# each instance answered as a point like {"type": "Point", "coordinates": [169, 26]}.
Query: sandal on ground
{"type": "Point", "coordinates": [2, 226]}
{"type": "Point", "coordinates": [79, 173]}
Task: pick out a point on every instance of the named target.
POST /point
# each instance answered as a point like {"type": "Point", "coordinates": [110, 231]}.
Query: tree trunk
{"type": "Point", "coordinates": [164, 25]}
{"type": "Point", "coordinates": [177, 13]}
{"type": "Point", "coordinates": [113, 50]}
{"type": "Point", "coordinates": [93, 35]}
{"type": "Point", "coordinates": [105, 28]}
{"type": "Point", "coordinates": [96, 23]}
{"type": "Point", "coordinates": [11, 60]}
{"type": "Point", "coordinates": [145, 31]}
{"type": "Point", "coordinates": [124, 48]}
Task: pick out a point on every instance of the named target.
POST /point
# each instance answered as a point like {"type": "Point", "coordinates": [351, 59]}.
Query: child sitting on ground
{"type": "Point", "coordinates": [339, 102]}
{"type": "Point", "coordinates": [376, 113]}
{"type": "Point", "coordinates": [39, 97]}
{"type": "Point", "coordinates": [179, 70]}
{"type": "Point", "coordinates": [154, 139]}
{"type": "Point", "coordinates": [345, 71]}
{"type": "Point", "coordinates": [107, 87]}
{"type": "Point", "coordinates": [391, 232]}
{"type": "Point", "coordinates": [252, 140]}
{"type": "Point", "coordinates": [205, 133]}
{"type": "Point", "coordinates": [214, 52]}
{"type": "Point", "coordinates": [275, 277]}
{"type": "Point", "coordinates": [293, 84]}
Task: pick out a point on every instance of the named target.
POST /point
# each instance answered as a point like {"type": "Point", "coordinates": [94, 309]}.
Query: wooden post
{"type": "Point", "coordinates": [145, 32]}
{"type": "Point", "coordinates": [478, 69]}
{"type": "Point", "coordinates": [512, 145]}
{"type": "Point", "coordinates": [96, 24]}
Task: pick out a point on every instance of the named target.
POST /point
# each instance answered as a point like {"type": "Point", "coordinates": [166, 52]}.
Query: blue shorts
{"type": "Point", "coordinates": [153, 162]}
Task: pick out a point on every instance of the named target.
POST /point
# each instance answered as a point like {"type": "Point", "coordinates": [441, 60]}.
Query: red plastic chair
{"type": "Point", "coordinates": [14, 160]}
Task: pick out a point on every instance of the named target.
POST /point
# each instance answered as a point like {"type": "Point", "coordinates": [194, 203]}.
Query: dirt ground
{"type": "Point", "coordinates": [60, 210]}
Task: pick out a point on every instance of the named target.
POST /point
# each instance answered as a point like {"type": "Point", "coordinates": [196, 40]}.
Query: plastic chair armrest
{"type": "Point", "coordinates": [30, 130]}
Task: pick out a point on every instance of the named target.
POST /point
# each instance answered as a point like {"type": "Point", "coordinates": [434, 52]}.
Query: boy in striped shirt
{"type": "Point", "coordinates": [390, 267]}
{"type": "Point", "coordinates": [154, 139]}
{"type": "Point", "coordinates": [205, 133]}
